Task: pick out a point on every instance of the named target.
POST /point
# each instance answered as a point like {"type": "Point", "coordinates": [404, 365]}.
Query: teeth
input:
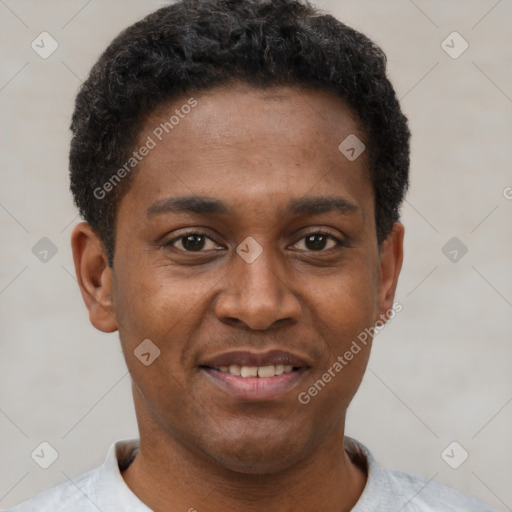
{"type": "Point", "coordinates": [249, 371]}
{"type": "Point", "coordinates": [234, 369]}
{"type": "Point", "coordinates": [256, 371]}
{"type": "Point", "coordinates": [266, 371]}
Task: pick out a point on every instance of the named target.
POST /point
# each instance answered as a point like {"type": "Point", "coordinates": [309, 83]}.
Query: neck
{"type": "Point", "coordinates": [165, 474]}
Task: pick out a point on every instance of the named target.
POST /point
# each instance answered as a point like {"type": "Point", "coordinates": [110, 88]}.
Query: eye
{"type": "Point", "coordinates": [192, 242]}
{"type": "Point", "coordinates": [319, 242]}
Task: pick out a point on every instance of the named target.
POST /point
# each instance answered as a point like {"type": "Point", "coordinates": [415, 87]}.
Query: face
{"type": "Point", "coordinates": [247, 244]}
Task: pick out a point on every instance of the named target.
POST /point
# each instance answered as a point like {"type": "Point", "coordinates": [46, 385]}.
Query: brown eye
{"type": "Point", "coordinates": [192, 242]}
{"type": "Point", "coordinates": [316, 242]}
{"type": "Point", "coordinates": [319, 242]}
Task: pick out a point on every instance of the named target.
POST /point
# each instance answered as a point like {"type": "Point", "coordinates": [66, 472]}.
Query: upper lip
{"type": "Point", "coordinates": [248, 358]}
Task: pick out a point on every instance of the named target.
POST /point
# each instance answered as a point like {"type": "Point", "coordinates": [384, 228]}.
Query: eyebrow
{"type": "Point", "coordinates": [191, 204]}
{"type": "Point", "coordinates": [202, 205]}
{"type": "Point", "coordinates": [316, 205]}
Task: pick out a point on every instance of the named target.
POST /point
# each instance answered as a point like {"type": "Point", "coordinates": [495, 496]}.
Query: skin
{"type": "Point", "coordinates": [255, 150]}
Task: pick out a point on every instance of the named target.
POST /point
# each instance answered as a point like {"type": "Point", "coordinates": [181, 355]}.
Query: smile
{"type": "Point", "coordinates": [250, 376]}
{"type": "Point", "coordinates": [256, 371]}
{"type": "Point", "coordinates": [247, 384]}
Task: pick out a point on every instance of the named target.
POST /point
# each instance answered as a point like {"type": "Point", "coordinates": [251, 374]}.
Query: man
{"type": "Point", "coordinates": [240, 167]}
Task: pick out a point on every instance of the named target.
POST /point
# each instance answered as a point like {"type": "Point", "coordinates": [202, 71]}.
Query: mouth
{"type": "Point", "coordinates": [261, 372]}
{"type": "Point", "coordinates": [255, 377]}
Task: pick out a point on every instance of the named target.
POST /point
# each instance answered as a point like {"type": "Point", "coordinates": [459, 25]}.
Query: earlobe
{"type": "Point", "coordinates": [94, 277]}
{"type": "Point", "coordinates": [391, 257]}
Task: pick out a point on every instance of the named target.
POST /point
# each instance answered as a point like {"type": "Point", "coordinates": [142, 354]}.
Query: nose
{"type": "Point", "coordinates": [257, 295]}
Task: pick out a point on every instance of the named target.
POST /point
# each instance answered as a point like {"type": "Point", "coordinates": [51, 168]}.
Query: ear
{"type": "Point", "coordinates": [94, 277]}
{"type": "Point", "coordinates": [391, 257]}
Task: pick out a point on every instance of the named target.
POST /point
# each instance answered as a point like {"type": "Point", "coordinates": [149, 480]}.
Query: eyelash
{"type": "Point", "coordinates": [339, 243]}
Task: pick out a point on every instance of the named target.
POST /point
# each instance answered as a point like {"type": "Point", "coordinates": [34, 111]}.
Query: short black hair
{"type": "Point", "coordinates": [192, 45]}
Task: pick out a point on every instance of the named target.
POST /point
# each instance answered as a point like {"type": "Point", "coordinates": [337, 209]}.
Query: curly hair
{"type": "Point", "coordinates": [194, 45]}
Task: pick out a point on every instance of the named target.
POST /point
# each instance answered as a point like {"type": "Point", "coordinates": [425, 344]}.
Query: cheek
{"type": "Point", "coordinates": [155, 305]}
{"type": "Point", "coordinates": [343, 311]}
{"type": "Point", "coordinates": [345, 304]}
{"type": "Point", "coordinates": [151, 306]}
{"type": "Point", "coordinates": [136, 307]}
{"type": "Point", "coordinates": [148, 303]}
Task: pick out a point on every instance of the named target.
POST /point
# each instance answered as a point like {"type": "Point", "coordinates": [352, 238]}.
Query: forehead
{"type": "Point", "coordinates": [250, 146]}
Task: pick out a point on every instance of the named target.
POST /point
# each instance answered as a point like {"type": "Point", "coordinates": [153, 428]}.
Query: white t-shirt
{"type": "Point", "coordinates": [105, 490]}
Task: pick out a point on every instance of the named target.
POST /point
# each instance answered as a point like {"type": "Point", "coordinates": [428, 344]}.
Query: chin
{"type": "Point", "coordinates": [259, 463]}
{"type": "Point", "coordinates": [258, 453]}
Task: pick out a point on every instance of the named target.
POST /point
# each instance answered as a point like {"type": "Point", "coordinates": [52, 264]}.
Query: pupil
{"type": "Point", "coordinates": [193, 242]}
{"type": "Point", "coordinates": [316, 241]}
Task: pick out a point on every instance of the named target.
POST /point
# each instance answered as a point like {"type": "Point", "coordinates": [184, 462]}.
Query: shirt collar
{"type": "Point", "coordinates": [112, 491]}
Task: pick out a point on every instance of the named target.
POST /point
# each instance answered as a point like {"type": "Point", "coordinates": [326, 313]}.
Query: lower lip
{"type": "Point", "coordinates": [255, 388]}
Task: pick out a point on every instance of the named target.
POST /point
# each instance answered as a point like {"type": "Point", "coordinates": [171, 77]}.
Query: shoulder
{"type": "Point", "coordinates": [102, 488]}
{"type": "Point", "coordinates": [71, 495]}
{"type": "Point", "coordinates": [423, 495]}
{"type": "Point", "coordinates": [389, 491]}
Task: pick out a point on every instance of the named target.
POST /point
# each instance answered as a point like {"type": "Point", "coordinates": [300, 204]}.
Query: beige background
{"type": "Point", "coordinates": [441, 371]}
